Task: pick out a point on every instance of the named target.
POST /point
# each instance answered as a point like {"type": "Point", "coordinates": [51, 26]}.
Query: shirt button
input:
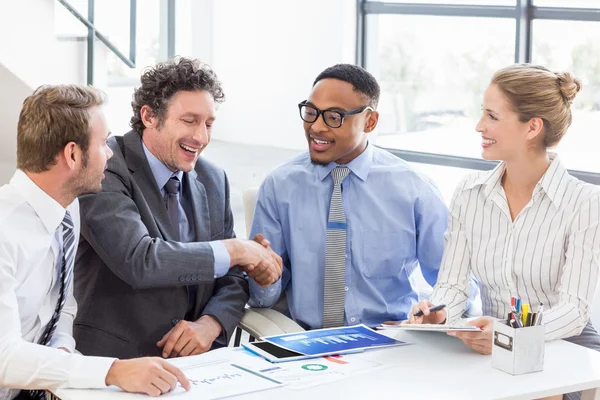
{"type": "Point", "coordinates": [346, 288]}
{"type": "Point", "coordinates": [352, 319]}
{"type": "Point", "coordinates": [262, 291]}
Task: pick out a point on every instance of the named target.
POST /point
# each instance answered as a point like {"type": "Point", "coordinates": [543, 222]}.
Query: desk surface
{"type": "Point", "coordinates": [436, 367]}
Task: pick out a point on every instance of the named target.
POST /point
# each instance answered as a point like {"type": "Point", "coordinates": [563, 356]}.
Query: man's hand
{"type": "Point", "coordinates": [481, 342]}
{"type": "Point", "coordinates": [260, 239]}
{"type": "Point", "coordinates": [436, 317]}
{"type": "Point", "coordinates": [151, 376]}
{"type": "Point", "coordinates": [189, 338]}
{"type": "Point", "coordinates": [256, 258]}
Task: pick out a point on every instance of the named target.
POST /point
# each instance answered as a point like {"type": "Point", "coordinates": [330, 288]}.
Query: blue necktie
{"type": "Point", "coordinates": [335, 255]}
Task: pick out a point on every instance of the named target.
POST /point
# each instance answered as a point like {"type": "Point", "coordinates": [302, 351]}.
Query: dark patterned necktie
{"type": "Point", "coordinates": [172, 188]}
{"type": "Point", "coordinates": [66, 274]}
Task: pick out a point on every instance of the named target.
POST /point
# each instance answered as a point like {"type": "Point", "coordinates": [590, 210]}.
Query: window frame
{"type": "Point", "coordinates": [524, 12]}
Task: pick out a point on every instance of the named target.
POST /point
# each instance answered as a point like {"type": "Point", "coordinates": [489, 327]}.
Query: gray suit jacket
{"type": "Point", "coordinates": [130, 277]}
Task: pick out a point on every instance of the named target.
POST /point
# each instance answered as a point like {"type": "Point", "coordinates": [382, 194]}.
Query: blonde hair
{"type": "Point", "coordinates": [50, 118]}
{"type": "Point", "coordinates": [534, 91]}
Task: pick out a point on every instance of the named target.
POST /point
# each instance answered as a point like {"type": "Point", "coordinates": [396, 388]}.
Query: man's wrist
{"type": "Point", "coordinates": [234, 248]}
{"type": "Point", "coordinates": [214, 325]}
{"type": "Point", "coordinates": [111, 378]}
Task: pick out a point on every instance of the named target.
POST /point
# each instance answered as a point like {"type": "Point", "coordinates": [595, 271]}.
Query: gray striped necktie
{"type": "Point", "coordinates": [335, 255]}
{"type": "Point", "coordinates": [66, 274]}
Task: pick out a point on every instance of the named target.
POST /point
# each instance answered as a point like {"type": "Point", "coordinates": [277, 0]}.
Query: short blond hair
{"type": "Point", "coordinates": [534, 91]}
{"type": "Point", "coordinates": [50, 118]}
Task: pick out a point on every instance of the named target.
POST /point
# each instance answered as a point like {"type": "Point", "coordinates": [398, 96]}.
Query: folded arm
{"type": "Point", "coordinates": [580, 275]}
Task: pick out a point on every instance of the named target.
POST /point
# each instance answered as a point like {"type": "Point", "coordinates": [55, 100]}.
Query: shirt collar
{"type": "Point", "coordinates": [161, 173]}
{"type": "Point", "coordinates": [552, 182]}
{"type": "Point", "coordinates": [360, 166]}
{"type": "Point", "coordinates": [50, 212]}
{"type": "Point", "coordinates": [489, 181]}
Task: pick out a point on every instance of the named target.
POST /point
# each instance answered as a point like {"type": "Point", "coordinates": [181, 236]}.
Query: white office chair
{"type": "Point", "coordinates": [263, 321]}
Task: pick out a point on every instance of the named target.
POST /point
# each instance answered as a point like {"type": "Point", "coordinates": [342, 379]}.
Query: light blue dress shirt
{"type": "Point", "coordinates": [396, 220]}
{"type": "Point", "coordinates": [186, 229]}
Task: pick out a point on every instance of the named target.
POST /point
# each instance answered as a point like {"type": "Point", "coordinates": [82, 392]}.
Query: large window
{"type": "Point", "coordinates": [462, 2]}
{"type": "Point", "coordinates": [568, 3]}
{"type": "Point", "coordinates": [432, 84]}
{"type": "Point", "coordinates": [435, 58]}
{"type": "Point", "coordinates": [575, 46]}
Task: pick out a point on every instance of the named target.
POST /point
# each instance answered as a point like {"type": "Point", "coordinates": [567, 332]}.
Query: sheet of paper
{"type": "Point", "coordinates": [298, 375]}
{"type": "Point", "coordinates": [210, 381]}
{"type": "Point", "coordinates": [431, 327]}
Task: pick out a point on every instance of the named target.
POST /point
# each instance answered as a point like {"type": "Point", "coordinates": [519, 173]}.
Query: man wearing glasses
{"type": "Point", "coordinates": [352, 223]}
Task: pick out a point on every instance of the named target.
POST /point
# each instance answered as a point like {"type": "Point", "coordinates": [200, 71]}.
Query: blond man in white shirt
{"type": "Point", "coordinates": [61, 154]}
{"type": "Point", "coordinates": [527, 229]}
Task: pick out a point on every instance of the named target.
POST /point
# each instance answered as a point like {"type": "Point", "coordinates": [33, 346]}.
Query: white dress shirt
{"type": "Point", "coordinates": [30, 262]}
{"type": "Point", "coordinates": [549, 254]}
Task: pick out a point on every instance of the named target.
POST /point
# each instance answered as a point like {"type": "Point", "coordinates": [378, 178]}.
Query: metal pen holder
{"type": "Point", "coordinates": [518, 350]}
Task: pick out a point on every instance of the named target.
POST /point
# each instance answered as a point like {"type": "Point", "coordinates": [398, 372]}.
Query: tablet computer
{"type": "Point", "coordinates": [273, 352]}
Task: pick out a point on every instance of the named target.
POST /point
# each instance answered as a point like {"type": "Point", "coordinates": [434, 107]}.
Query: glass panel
{"type": "Point", "coordinates": [183, 27]}
{"type": "Point", "coordinates": [567, 3]}
{"type": "Point", "coordinates": [111, 18]}
{"type": "Point", "coordinates": [65, 23]}
{"type": "Point", "coordinates": [433, 79]}
{"type": "Point", "coordinates": [116, 78]}
{"type": "Point", "coordinates": [573, 46]}
{"type": "Point", "coordinates": [459, 2]}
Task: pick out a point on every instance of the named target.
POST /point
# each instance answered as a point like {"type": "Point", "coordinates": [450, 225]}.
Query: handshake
{"type": "Point", "coordinates": [256, 258]}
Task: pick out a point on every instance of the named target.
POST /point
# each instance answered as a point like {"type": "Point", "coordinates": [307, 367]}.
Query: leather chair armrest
{"type": "Point", "coordinates": [260, 322]}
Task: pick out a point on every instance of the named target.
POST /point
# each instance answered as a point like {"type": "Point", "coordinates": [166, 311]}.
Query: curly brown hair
{"type": "Point", "coordinates": [161, 82]}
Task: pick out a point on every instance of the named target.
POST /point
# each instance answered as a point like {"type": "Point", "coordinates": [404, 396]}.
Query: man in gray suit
{"type": "Point", "coordinates": [159, 271]}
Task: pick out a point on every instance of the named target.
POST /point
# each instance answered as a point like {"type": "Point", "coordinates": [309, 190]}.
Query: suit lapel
{"type": "Point", "coordinates": [199, 207]}
{"type": "Point", "coordinates": [142, 174]}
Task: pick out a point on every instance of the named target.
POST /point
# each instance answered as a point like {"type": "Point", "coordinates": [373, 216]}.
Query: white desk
{"type": "Point", "coordinates": [436, 367]}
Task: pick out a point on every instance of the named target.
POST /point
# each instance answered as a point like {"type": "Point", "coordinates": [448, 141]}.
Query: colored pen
{"type": "Point", "coordinates": [540, 314]}
{"type": "Point", "coordinates": [518, 318]}
{"type": "Point", "coordinates": [534, 319]}
{"type": "Point", "coordinates": [525, 313]}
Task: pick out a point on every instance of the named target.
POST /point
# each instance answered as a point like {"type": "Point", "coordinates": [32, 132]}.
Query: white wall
{"type": "Point", "coordinates": [27, 45]}
{"type": "Point", "coordinates": [14, 92]}
{"type": "Point", "coordinates": [267, 54]}
{"type": "Point", "coordinates": [30, 56]}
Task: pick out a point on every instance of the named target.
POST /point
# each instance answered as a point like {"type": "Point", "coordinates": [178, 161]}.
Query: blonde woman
{"type": "Point", "coordinates": [527, 229]}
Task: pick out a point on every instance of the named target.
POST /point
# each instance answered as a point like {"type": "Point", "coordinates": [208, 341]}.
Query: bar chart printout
{"type": "Point", "coordinates": [333, 340]}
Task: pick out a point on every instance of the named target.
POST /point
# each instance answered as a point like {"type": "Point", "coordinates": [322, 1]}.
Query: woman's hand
{"type": "Point", "coordinates": [436, 317]}
{"type": "Point", "coordinates": [481, 342]}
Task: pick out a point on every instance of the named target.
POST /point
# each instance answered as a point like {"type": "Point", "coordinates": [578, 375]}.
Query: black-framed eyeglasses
{"type": "Point", "coordinates": [332, 118]}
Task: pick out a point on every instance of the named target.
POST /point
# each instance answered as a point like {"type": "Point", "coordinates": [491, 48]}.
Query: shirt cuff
{"type": "Point", "coordinates": [222, 259]}
{"type": "Point", "coordinates": [264, 297]}
{"type": "Point", "coordinates": [89, 372]}
{"type": "Point", "coordinates": [60, 339]}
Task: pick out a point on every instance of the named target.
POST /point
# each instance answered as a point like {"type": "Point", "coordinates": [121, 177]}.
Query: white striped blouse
{"type": "Point", "coordinates": [549, 254]}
